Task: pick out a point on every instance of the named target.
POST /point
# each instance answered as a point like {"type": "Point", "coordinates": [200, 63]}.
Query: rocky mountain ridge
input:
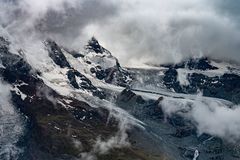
{"type": "Point", "coordinates": [87, 106]}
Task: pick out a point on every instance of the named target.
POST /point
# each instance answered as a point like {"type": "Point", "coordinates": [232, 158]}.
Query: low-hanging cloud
{"type": "Point", "coordinates": [155, 31]}
{"type": "Point", "coordinates": [211, 116]}
{"type": "Point", "coordinates": [168, 31]}
{"type": "Point", "coordinates": [61, 20]}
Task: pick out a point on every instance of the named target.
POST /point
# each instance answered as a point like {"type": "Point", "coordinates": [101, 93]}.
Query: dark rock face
{"type": "Point", "coordinates": [4, 42]}
{"type": "Point", "coordinates": [127, 95]}
{"type": "Point", "coordinates": [118, 76]}
{"type": "Point", "coordinates": [170, 80]}
{"type": "Point", "coordinates": [193, 64]}
{"type": "Point", "coordinates": [225, 87]}
{"type": "Point", "coordinates": [99, 72]}
{"type": "Point", "coordinates": [56, 54]}
{"type": "Point", "coordinates": [150, 109]}
{"type": "Point", "coordinates": [114, 75]}
{"type": "Point", "coordinates": [200, 64]}
{"type": "Point", "coordinates": [94, 46]}
{"type": "Point", "coordinates": [15, 66]}
{"type": "Point", "coordinates": [84, 84]}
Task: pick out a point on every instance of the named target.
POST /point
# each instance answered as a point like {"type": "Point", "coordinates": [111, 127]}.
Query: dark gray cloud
{"type": "Point", "coordinates": [168, 31]}
{"type": "Point", "coordinates": [61, 20]}
{"type": "Point", "coordinates": [229, 8]}
{"type": "Point", "coordinates": [156, 31]}
{"type": "Point", "coordinates": [67, 26]}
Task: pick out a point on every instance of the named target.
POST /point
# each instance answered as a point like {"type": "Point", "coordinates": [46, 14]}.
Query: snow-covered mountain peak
{"type": "Point", "coordinates": [94, 46]}
{"type": "Point", "coordinates": [103, 65]}
{"type": "Point", "coordinates": [56, 54]}
{"type": "Point", "coordinates": [97, 55]}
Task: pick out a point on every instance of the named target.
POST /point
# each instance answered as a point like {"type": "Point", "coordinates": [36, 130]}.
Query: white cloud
{"type": "Point", "coordinates": [217, 119]}
{"type": "Point", "coordinates": [156, 31]}
{"type": "Point", "coordinates": [209, 115]}
{"type": "Point", "coordinates": [167, 31]}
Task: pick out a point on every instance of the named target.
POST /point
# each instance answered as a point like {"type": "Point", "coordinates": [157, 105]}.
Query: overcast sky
{"type": "Point", "coordinates": [136, 31]}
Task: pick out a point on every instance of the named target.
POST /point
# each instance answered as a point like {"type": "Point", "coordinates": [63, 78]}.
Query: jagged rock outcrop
{"type": "Point", "coordinates": [78, 81]}
{"type": "Point", "coordinates": [127, 96]}
{"type": "Point", "coordinates": [146, 109]}
{"type": "Point", "coordinates": [171, 81]}
{"type": "Point", "coordinates": [193, 64]}
{"type": "Point", "coordinates": [225, 86]}
{"type": "Point", "coordinates": [56, 54]}
{"type": "Point", "coordinates": [105, 66]}
{"type": "Point", "coordinates": [15, 69]}
{"type": "Point", "coordinates": [94, 46]}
